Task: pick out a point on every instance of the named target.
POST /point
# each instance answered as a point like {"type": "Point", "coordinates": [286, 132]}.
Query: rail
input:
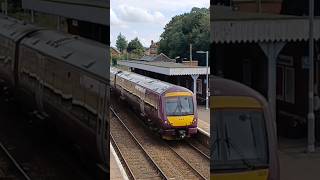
{"type": "Point", "coordinates": [14, 162]}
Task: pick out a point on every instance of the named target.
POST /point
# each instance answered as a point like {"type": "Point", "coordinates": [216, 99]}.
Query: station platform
{"type": "Point", "coordinates": [204, 119]}
{"type": "Point", "coordinates": [295, 162]}
{"type": "Point", "coordinates": [116, 170]}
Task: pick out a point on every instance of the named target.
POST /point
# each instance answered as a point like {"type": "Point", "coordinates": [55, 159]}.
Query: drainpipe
{"type": "Point", "coordinates": [311, 118]}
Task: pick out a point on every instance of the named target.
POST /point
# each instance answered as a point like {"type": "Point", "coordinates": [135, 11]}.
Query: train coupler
{"type": "Point", "coordinates": [182, 134]}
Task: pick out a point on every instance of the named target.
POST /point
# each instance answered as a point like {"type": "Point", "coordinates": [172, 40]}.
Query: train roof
{"type": "Point", "coordinates": [14, 29]}
{"type": "Point", "coordinates": [82, 53]}
{"type": "Point", "coordinates": [146, 82]}
{"type": "Point", "coordinates": [226, 87]}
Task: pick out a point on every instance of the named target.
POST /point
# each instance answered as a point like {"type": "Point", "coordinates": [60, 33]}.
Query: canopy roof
{"type": "Point", "coordinates": [166, 68]}
{"type": "Point", "coordinates": [229, 26]}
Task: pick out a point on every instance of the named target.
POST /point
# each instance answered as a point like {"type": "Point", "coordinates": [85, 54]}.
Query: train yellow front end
{"type": "Point", "coordinates": [180, 114]}
{"type": "Point", "coordinates": [243, 144]}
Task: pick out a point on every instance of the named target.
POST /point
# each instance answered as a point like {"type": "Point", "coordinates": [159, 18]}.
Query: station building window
{"type": "Point", "coordinates": [286, 79]}
{"type": "Point", "coordinates": [199, 86]}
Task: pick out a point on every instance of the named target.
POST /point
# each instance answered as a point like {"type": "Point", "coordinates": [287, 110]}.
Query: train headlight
{"type": "Point", "coordinates": [166, 122]}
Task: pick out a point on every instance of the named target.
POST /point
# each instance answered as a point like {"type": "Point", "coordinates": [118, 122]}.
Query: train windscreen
{"type": "Point", "coordinates": [179, 106]}
{"type": "Point", "coordinates": [239, 140]}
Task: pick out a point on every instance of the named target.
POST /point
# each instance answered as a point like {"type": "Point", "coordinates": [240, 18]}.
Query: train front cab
{"type": "Point", "coordinates": [243, 144]}
{"type": "Point", "coordinates": [180, 114]}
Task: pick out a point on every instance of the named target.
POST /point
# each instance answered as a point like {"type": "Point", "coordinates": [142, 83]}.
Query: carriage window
{"type": "Point", "coordinates": [179, 106]}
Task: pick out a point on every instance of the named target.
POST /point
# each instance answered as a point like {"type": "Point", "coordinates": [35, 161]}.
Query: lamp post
{"type": "Point", "coordinates": [207, 77]}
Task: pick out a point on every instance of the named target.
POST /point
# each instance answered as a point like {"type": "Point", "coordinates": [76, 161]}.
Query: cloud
{"type": "Point", "coordinates": [146, 19]}
{"type": "Point", "coordinates": [138, 15]}
{"type": "Point", "coordinates": [162, 5]}
{"type": "Point", "coordinates": [115, 21]}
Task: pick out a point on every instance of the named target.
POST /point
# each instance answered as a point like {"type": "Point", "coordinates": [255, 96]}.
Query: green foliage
{"type": "Point", "coordinates": [115, 59]}
{"type": "Point", "coordinates": [135, 46]}
{"type": "Point", "coordinates": [192, 27]}
{"type": "Point", "coordinates": [121, 43]}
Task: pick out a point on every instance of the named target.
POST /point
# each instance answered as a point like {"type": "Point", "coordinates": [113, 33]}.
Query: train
{"type": "Point", "coordinates": [63, 79]}
{"type": "Point", "coordinates": [244, 140]}
{"type": "Point", "coordinates": [168, 109]}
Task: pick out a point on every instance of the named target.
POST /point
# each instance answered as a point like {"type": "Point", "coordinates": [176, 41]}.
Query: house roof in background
{"type": "Point", "coordinates": [161, 57]}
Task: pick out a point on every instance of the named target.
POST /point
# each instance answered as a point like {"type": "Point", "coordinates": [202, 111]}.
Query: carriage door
{"type": "Point", "coordinates": [39, 74]}
{"type": "Point", "coordinates": [142, 100]}
{"type": "Point", "coordinates": [102, 135]}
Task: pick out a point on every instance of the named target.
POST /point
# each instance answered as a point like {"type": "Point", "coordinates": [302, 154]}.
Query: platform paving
{"type": "Point", "coordinates": [204, 119]}
{"type": "Point", "coordinates": [295, 163]}
{"type": "Point", "coordinates": [116, 170]}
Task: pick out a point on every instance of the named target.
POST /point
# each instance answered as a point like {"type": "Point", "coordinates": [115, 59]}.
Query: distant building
{"type": "Point", "coordinates": [115, 52]}
{"type": "Point", "coordinates": [157, 58]}
{"type": "Point", "coordinates": [154, 47]}
{"type": "Point", "coordinates": [147, 51]}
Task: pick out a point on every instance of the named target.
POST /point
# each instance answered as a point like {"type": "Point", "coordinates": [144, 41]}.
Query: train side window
{"type": "Point", "coordinates": [69, 75]}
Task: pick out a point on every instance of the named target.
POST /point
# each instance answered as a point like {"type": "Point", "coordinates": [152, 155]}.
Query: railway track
{"type": "Point", "coordinates": [9, 167]}
{"type": "Point", "coordinates": [29, 151]}
{"type": "Point", "coordinates": [137, 161]}
{"type": "Point", "coordinates": [196, 158]}
{"type": "Point", "coordinates": [176, 160]}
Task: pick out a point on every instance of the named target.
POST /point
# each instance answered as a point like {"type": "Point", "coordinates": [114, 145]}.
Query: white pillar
{"type": "Point", "coordinates": [6, 7]}
{"type": "Point", "coordinates": [195, 77]}
{"type": "Point", "coordinates": [190, 52]}
{"type": "Point", "coordinates": [58, 23]}
{"type": "Point", "coordinates": [272, 51]}
{"type": "Point", "coordinates": [207, 80]}
{"type": "Point", "coordinates": [32, 16]}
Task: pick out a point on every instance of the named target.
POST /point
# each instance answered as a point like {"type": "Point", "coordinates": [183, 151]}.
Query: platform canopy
{"type": "Point", "coordinates": [229, 26]}
{"type": "Point", "coordinates": [95, 11]}
{"type": "Point", "coordinates": [166, 68]}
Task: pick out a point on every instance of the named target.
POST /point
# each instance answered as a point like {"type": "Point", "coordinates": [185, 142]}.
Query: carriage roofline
{"type": "Point", "coordinates": [148, 83]}
{"type": "Point", "coordinates": [15, 29]}
{"type": "Point", "coordinates": [227, 87]}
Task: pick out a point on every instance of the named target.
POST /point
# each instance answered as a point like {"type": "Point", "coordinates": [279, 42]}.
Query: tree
{"type": "Point", "coordinates": [192, 27]}
{"type": "Point", "coordinates": [135, 47]}
{"type": "Point", "coordinates": [121, 43]}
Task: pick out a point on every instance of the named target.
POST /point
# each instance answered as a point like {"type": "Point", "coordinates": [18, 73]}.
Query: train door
{"type": "Point", "coordinates": [102, 124]}
{"type": "Point", "coordinates": [39, 83]}
{"type": "Point", "coordinates": [142, 94]}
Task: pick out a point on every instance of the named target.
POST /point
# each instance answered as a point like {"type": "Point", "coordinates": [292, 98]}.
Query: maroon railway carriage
{"type": "Point", "coordinates": [171, 109]}
{"type": "Point", "coordinates": [63, 80]}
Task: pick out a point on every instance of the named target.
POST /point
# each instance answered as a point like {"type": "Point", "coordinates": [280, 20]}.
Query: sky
{"type": "Point", "coordinates": [146, 19]}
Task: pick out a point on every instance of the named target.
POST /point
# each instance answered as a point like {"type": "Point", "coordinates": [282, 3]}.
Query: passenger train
{"type": "Point", "coordinates": [170, 109]}
{"type": "Point", "coordinates": [61, 78]}
{"type": "Point", "coordinates": [244, 143]}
